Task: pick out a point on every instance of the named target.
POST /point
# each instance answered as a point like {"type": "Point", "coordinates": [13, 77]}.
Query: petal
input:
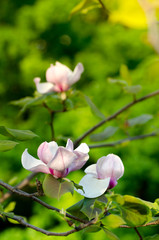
{"type": "Point", "coordinates": [83, 147]}
{"type": "Point", "coordinates": [69, 145]}
{"type": "Point", "coordinates": [92, 186]}
{"type": "Point", "coordinates": [56, 74]}
{"type": "Point", "coordinates": [64, 68]}
{"type": "Point", "coordinates": [62, 159]}
{"type": "Point", "coordinates": [110, 166]}
{"type": "Point", "coordinates": [76, 74]}
{"type": "Point", "coordinates": [91, 170]}
{"type": "Point", "coordinates": [43, 87]}
{"type": "Point", "coordinates": [47, 151]}
{"type": "Point", "coordinates": [81, 159]}
{"type": "Point", "coordinates": [32, 164]}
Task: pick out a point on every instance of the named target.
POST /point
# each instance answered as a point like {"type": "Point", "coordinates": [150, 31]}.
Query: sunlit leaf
{"type": "Point", "coordinates": [55, 188]}
{"type": "Point", "coordinates": [6, 145]}
{"type": "Point", "coordinates": [108, 132]}
{"type": "Point", "coordinates": [125, 74]}
{"type": "Point", "coordinates": [112, 221]}
{"type": "Point", "coordinates": [133, 210]}
{"type": "Point", "coordinates": [109, 234]}
{"type": "Point", "coordinates": [117, 81]}
{"type": "Point", "coordinates": [94, 109]}
{"type": "Point", "coordinates": [142, 119]}
{"type": "Point", "coordinates": [84, 6]}
{"type": "Point", "coordinates": [10, 207]}
{"type": "Point", "coordinates": [21, 135]}
{"type": "Point", "coordinates": [132, 89]}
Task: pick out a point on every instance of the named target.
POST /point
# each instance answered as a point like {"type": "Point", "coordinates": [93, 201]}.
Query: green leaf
{"type": "Point", "coordinates": [6, 145]}
{"type": "Point", "coordinates": [109, 234]}
{"type": "Point", "coordinates": [76, 209]}
{"type": "Point", "coordinates": [154, 237]}
{"type": "Point", "coordinates": [108, 132]}
{"type": "Point", "coordinates": [125, 74]}
{"type": "Point", "coordinates": [77, 186]}
{"type": "Point", "coordinates": [84, 6]}
{"type": "Point", "coordinates": [54, 102]}
{"type": "Point", "coordinates": [132, 89]}
{"type": "Point", "coordinates": [94, 109]}
{"type": "Point", "coordinates": [117, 81]}
{"type": "Point", "coordinates": [142, 119]}
{"type": "Point", "coordinates": [21, 135]}
{"type": "Point", "coordinates": [94, 206]}
{"type": "Point", "coordinates": [55, 188]}
{"type": "Point", "coordinates": [10, 207]}
{"type": "Point", "coordinates": [75, 99]}
{"type": "Point", "coordinates": [133, 210]}
{"type": "Point", "coordinates": [113, 221]}
{"type": "Point", "coordinates": [92, 229]}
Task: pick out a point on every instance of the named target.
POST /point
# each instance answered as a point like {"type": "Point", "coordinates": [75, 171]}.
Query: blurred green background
{"type": "Point", "coordinates": [35, 33]}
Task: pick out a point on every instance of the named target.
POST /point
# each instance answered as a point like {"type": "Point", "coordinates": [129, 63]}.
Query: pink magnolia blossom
{"type": "Point", "coordinates": [55, 160]}
{"type": "Point", "coordinates": [101, 176]}
{"type": "Point", "coordinates": [59, 78]}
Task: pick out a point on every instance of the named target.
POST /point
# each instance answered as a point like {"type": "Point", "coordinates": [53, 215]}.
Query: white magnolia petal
{"type": "Point", "coordinates": [53, 147]}
{"type": "Point", "coordinates": [76, 74]}
{"type": "Point", "coordinates": [69, 145]}
{"type": "Point", "coordinates": [110, 166]}
{"type": "Point", "coordinates": [64, 67]}
{"type": "Point", "coordinates": [83, 147]}
{"type": "Point", "coordinates": [91, 170]}
{"type": "Point", "coordinates": [79, 162]}
{"type": "Point", "coordinates": [43, 87]}
{"type": "Point", "coordinates": [92, 186]}
{"type": "Point", "coordinates": [32, 164]}
{"type": "Point", "coordinates": [62, 159]}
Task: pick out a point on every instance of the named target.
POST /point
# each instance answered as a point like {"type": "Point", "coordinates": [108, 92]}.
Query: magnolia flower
{"type": "Point", "coordinates": [58, 161]}
{"type": "Point", "coordinates": [101, 176]}
{"type": "Point", "coordinates": [59, 78]}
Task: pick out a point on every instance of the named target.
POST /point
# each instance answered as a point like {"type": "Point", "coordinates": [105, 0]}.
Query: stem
{"type": "Point", "coordinates": [20, 185]}
{"type": "Point", "coordinates": [113, 116]}
{"type": "Point", "coordinates": [136, 230]}
{"type": "Point", "coordinates": [113, 144]}
{"type": "Point", "coordinates": [52, 126]}
{"type": "Point", "coordinates": [34, 198]}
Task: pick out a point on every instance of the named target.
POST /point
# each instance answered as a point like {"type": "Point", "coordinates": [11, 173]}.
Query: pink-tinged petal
{"type": "Point", "coordinates": [83, 147]}
{"type": "Point", "coordinates": [47, 151]}
{"type": "Point", "coordinates": [92, 186]}
{"type": "Point", "coordinates": [58, 174]}
{"type": "Point", "coordinates": [64, 68]}
{"type": "Point", "coordinates": [91, 170]}
{"type": "Point", "coordinates": [43, 87]}
{"type": "Point", "coordinates": [110, 166]}
{"type": "Point", "coordinates": [32, 164]}
{"type": "Point", "coordinates": [56, 75]}
{"type": "Point", "coordinates": [76, 74]}
{"type": "Point", "coordinates": [112, 183]}
{"type": "Point", "coordinates": [62, 159]}
{"type": "Point", "coordinates": [78, 162]}
{"type": "Point", "coordinates": [69, 145]}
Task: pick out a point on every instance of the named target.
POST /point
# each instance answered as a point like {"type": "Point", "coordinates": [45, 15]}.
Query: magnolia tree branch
{"type": "Point", "coordinates": [49, 233]}
{"type": "Point", "coordinates": [34, 198]}
{"type": "Point", "coordinates": [113, 116]}
{"type": "Point", "coordinates": [138, 233]}
{"type": "Point", "coordinates": [20, 185]}
{"type": "Point", "coordinates": [113, 144]}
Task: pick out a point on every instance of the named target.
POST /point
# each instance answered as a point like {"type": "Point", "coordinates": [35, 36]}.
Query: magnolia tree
{"type": "Point", "coordinates": [101, 208]}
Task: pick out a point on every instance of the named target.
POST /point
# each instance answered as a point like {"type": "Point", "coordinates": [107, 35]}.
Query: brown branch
{"type": "Point", "coordinates": [153, 223]}
{"type": "Point", "coordinates": [137, 231]}
{"type": "Point", "coordinates": [48, 233]}
{"type": "Point", "coordinates": [34, 198]}
{"type": "Point", "coordinates": [113, 144]}
{"type": "Point", "coordinates": [113, 116]}
{"type": "Point", "coordinates": [20, 185]}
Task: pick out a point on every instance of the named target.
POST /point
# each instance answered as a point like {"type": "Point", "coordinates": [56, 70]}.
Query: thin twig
{"type": "Point", "coordinates": [20, 185]}
{"type": "Point", "coordinates": [137, 231]}
{"type": "Point", "coordinates": [113, 144]}
{"type": "Point", "coordinates": [113, 116]}
{"type": "Point", "coordinates": [153, 223]}
{"type": "Point", "coordinates": [48, 233]}
{"type": "Point", "coordinates": [34, 198]}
